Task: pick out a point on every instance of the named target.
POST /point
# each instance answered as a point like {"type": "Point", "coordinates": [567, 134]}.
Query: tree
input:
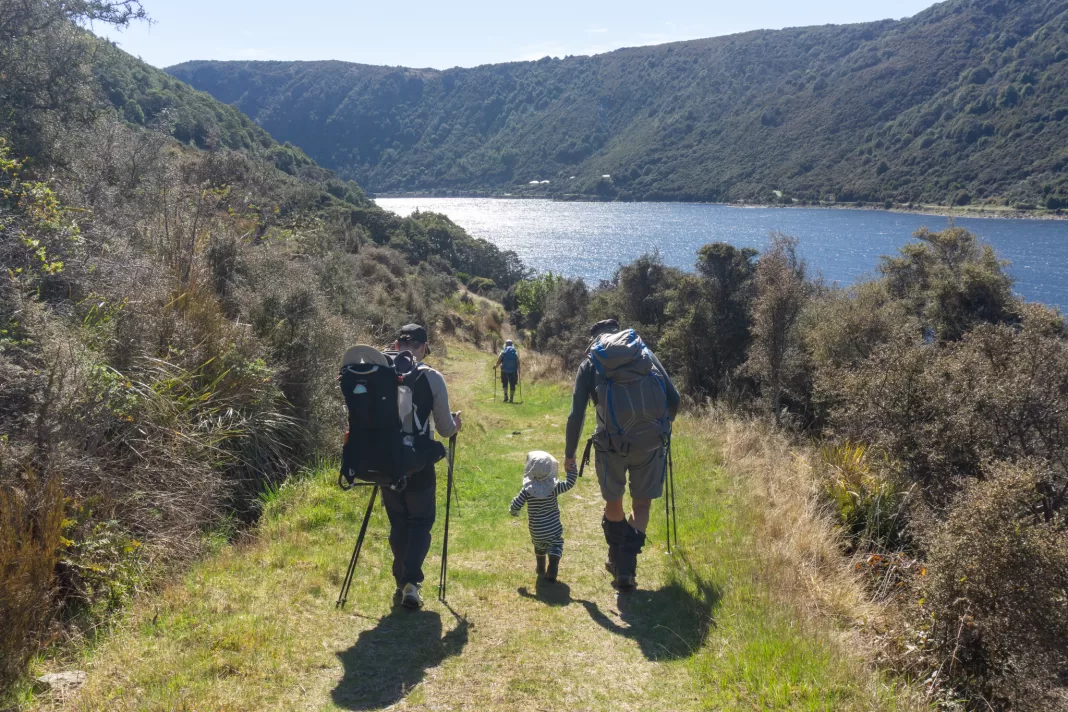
{"type": "Point", "coordinates": [562, 329]}
{"type": "Point", "coordinates": [951, 282]}
{"type": "Point", "coordinates": [781, 293]}
{"type": "Point", "coordinates": [643, 287]}
{"type": "Point", "coordinates": [531, 295]}
{"type": "Point", "coordinates": [708, 333]}
{"type": "Point", "coordinates": [45, 77]}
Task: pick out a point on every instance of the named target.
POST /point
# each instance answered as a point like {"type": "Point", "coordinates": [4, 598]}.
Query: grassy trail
{"type": "Point", "coordinates": [254, 627]}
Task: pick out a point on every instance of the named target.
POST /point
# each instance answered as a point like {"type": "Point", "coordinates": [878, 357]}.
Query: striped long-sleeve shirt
{"type": "Point", "coordinates": [543, 513]}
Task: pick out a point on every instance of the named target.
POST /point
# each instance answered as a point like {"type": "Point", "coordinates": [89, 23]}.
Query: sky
{"type": "Point", "coordinates": [443, 34]}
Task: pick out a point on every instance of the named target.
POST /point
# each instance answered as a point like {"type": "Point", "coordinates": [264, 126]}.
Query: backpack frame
{"type": "Point", "coordinates": [377, 449]}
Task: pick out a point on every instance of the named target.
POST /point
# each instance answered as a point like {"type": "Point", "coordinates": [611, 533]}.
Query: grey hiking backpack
{"type": "Point", "coordinates": [632, 401]}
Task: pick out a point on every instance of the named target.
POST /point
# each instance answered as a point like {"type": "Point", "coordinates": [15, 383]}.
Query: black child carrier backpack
{"type": "Point", "coordinates": [389, 402]}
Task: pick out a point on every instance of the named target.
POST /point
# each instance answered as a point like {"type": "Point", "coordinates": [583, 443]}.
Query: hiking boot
{"type": "Point", "coordinates": [614, 533]}
{"type": "Point", "coordinates": [541, 564]}
{"type": "Point", "coordinates": [626, 559]}
{"type": "Point", "coordinates": [554, 568]}
{"type": "Point", "coordinates": [411, 596]}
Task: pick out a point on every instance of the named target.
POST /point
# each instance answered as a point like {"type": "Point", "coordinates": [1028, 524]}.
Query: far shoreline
{"type": "Point", "coordinates": [984, 213]}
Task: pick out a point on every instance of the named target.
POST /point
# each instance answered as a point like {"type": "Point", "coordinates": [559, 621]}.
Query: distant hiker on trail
{"type": "Point", "coordinates": [509, 363]}
{"type": "Point", "coordinates": [635, 403]}
{"type": "Point", "coordinates": [539, 493]}
{"type": "Point", "coordinates": [412, 511]}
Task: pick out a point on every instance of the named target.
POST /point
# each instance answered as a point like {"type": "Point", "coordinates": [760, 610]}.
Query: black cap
{"type": "Point", "coordinates": [604, 326]}
{"type": "Point", "coordinates": [413, 332]}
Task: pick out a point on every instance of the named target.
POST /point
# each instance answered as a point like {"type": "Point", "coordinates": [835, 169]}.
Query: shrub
{"type": "Point", "coordinates": [31, 518]}
{"type": "Point", "coordinates": [997, 593]}
{"type": "Point", "coordinates": [481, 285]}
{"type": "Point", "coordinates": [943, 409]}
{"type": "Point", "coordinates": [562, 329]}
{"type": "Point", "coordinates": [870, 506]}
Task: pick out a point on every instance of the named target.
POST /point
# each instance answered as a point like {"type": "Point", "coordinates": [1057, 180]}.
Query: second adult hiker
{"type": "Point", "coordinates": [635, 402]}
{"type": "Point", "coordinates": [412, 511]}
{"type": "Point", "coordinates": [508, 362]}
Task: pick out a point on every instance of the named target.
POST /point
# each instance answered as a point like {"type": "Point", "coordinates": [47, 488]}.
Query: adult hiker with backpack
{"type": "Point", "coordinates": [636, 403]}
{"type": "Point", "coordinates": [383, 391]}
{"type": "Point", "coordinates": [508, 361]}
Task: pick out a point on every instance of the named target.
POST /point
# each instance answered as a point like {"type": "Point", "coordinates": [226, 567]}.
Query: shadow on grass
{"type": "Point", "coordinates": [552, 594]}
{"type": "Point", "coordinates": [389, 660]}
{"type": "Point", "coordinates": [670, 623]}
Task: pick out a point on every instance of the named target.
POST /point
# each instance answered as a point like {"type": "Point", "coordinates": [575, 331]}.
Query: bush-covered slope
{"type": "Point", "coordinates": [964, 102]}
{"type": "Point", "coordinates": [171, 318]}
{"type": "Point", "coordinates": [146, 96]}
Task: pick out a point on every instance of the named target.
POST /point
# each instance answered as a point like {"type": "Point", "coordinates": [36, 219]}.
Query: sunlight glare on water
{"type": "Point", "coordinates": [591, 240]}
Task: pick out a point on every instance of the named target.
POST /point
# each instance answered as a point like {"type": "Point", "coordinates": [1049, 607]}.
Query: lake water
{"type": "Point", "coordinates": [591, 240]}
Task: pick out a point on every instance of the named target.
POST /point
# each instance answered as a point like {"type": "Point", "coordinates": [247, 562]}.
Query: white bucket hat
{"type": "Point", "coordinates": [539, 474]}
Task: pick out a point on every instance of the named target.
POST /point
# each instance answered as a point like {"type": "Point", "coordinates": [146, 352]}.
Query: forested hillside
{"type": "Point", "coordinates": [966, 102]}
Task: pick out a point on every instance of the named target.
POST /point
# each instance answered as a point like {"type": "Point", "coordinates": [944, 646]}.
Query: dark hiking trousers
{"type": "Point", "coordinates": [411, 516]}
{"type": "Point", "coordinates": [509, 379]}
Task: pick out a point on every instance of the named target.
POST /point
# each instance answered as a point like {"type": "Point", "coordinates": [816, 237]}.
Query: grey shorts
{"type": "Point", "coordinates": [646, 474]}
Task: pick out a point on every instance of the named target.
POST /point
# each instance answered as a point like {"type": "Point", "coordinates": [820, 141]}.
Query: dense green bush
{"type": "Point", "coordinates": [950, 282]}
{"type": "Point", "coordinates": [776, 357]}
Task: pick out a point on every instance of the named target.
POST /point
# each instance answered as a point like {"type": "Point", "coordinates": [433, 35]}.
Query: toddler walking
{"type": "Point", "coordinates": [539, 492]}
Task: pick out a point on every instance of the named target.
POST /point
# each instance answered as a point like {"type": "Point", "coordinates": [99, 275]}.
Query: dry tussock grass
{"type": "Point", "coordinates": [793, 524]}
{"type": "Point", "coordinates": [545, 368]}
{"type": "Point", "coordinates": [801, 548]}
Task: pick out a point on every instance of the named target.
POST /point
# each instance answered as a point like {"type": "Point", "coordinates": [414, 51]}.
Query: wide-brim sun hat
{"type": "Point", "coordinates": [539, 474]}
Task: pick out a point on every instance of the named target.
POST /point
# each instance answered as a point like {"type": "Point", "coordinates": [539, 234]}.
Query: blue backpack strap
{"type": "Point", "coordinates": [595, 350]}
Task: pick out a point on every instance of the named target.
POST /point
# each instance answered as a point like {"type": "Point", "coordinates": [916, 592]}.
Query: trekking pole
{"type": "Point", "coordinates": [494, 383]}
{"type": "Point", "coordinates": [445, 537]}
{"type": "Point", "coordinates": [674, 506]}
{"type": "Point", "coordinates": [669, 501]}
{"type": "Point", "coordinates": [519, 377]}
{"type": "Point", "coordinates": [343, 597]}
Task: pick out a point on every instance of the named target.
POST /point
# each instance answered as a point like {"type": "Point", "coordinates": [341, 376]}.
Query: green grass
{"type": "Point", "coordinates": [254, 626]}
